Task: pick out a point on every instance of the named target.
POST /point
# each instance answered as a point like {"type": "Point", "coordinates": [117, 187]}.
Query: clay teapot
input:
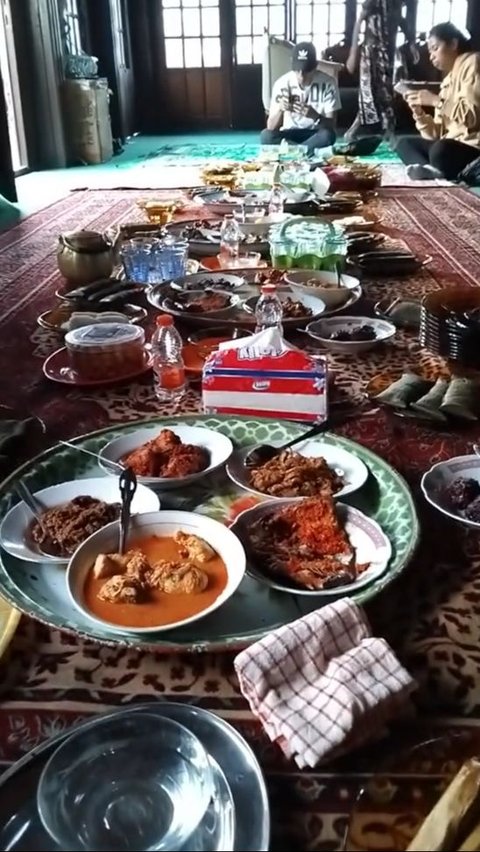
{"type": "Point", "coordinates": [85, 256]}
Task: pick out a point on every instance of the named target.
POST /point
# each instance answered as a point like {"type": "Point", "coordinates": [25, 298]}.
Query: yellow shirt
{"type": "Point", "coordinates": [457, 115]}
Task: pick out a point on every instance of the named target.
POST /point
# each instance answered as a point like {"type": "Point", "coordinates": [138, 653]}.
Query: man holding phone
{"type": "Point", "coordinates": [303, 104]}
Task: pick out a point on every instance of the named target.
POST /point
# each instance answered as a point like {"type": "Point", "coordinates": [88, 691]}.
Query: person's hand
{"type": "Point", "coordinates": [421, 98]}
{"type": "Point", "coordinates": [417, 110]}
{"type": "Point", "coordinates": [284, 104]}
{"type": "Point", "coordinates": [351, 63]}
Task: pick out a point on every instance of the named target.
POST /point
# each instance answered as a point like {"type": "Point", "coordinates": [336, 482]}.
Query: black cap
{"type": "Point", "coordinates": [304, 57]}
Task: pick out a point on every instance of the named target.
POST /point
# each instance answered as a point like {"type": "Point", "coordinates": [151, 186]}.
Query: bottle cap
{"type": "Point", "coordinates": [164, 319]}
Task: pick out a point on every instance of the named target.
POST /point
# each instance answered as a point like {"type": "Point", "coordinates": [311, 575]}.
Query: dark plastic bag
{"type": "Point", "coordinates": [471, 173]}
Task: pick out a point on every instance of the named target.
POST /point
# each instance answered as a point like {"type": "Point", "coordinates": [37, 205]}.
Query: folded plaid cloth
{"type": "Point", "coordinates": [322, 685]}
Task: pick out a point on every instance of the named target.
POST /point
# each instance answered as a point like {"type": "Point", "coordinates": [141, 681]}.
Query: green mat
{"type": "Point", "coordinates": [194, 153]}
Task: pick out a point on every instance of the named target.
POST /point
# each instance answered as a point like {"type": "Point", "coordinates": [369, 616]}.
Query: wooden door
{"type": "Point", "coordinates": [124, 77]}
{"type": "Point", "coordinates": [195, 72]}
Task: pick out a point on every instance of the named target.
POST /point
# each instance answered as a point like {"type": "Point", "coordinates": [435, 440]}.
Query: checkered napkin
{"type": "Point", "coordinates": [323, 685]}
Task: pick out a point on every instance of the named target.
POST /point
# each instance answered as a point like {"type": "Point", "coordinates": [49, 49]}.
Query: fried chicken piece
{"type": "Point", "coordinates": [142, 460]}
{"type": "Point", "coordinates": [192, 548]}
{"type": "Point", "coordinates": [165, 442]}
{"type": "Point", "coordinates": [175, 578]}
{"type": "Point", "coordinates": [185, 460]}
{"type": "Point", "coordinates": [121, 589]}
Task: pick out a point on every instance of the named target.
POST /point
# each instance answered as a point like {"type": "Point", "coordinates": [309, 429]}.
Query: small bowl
{"type": "Point", "coordinates": [209, 281]}
{"type": "Point", "coordinates": [135, 781]}
{"type": "Point", "coordinates": [321, 330]}
{"type": "Point", "coordinates": [217, 445]}
{"type": "Point", "coordinates": [366, 536]}
{"type": "Point", "coordinates": [14, 528]}
{"type": "Point", "coordinates": [439, 477]}
{"type": "Point", "coordinates": [325, 287]}
{"type": "Point", "coordinates": [164, 523]}
{"type": "Point", "coordinates": [315, 304]}
{"type": "Point", "coordinates": [244, 260]}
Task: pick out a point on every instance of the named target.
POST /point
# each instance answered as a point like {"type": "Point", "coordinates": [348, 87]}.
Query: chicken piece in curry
{"type": "Point", "coordinates": [167, 457]}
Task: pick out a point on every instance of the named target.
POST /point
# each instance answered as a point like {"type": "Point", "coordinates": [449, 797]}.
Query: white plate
{"type": "Point", "coordinates": [354, 470]}
{"type": "Point", "coordinates": [327, 287]}
{"type": "Point", "coordinates": [14, 528]}
{"type": "Point", "coordinates": [365, 535]}
{"type": "Point", "coordinates": [313, 303]}
{"type": "Point", "coordinates": [218, 536]}
{"type": "Point", "coordinates": [322, 329]}
{"type": "Point", "coordinates": [218, 445]}
{"type": "Point", "coordinates": [439, 477]}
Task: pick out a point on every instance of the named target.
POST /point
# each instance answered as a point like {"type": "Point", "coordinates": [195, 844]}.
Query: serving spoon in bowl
{"type": "Point", "coordinates": [128, 486]}
{"type": "Point", "coordinates": [265, 452]}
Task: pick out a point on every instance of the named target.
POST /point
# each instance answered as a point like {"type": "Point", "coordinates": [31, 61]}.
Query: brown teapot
{"type": "Point", "coordinates": [85, 256]}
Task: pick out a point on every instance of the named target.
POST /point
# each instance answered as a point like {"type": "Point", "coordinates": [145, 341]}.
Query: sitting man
{"type": "Point", "coordinates": [303, 104]}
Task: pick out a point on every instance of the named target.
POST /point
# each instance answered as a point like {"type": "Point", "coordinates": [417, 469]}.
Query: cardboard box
{"type": "Point", "coordinates": [265, 376]}
{"type": "Point", "coordinates": [88, 131]}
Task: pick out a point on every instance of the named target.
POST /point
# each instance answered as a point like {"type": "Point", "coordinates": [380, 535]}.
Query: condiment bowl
{"type": "Point", "coordinates": [165, 523]}
{"type": "Point", "coordinates": [436, 481]}
{"type": "Point", "coordinates": [134, 781]}
{"type": "Point", "coordinates": [15, 527]}
{"type": "Point", "coordinates": [323, 328]}
{"type": "Point", "coordinates": [332, 289]}
{"type": "Point", "coordinates": [218, 446]}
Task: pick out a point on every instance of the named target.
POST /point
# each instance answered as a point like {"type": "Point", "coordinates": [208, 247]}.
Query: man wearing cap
{"type": "Point", "coordinates": [303, 103]}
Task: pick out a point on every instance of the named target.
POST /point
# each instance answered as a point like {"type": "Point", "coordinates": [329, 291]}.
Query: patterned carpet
{"type": "Point", "coordinates": [430, 615]}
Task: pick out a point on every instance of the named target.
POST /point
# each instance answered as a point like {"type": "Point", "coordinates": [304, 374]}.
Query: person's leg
{"type": "Point", "coordinates": [270, 137]}
{"type": "Point", "coordinates": [414, 150]}
{"type": "Point", "coordinates": [450, 157]}
{"type": "Point", "coordinates": [322, 138]}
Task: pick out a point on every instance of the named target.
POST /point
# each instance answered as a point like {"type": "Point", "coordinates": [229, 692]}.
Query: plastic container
{"type": "Point", "coordinates": [268, 310]}
{"type": "Point", "coordinates": [168, 366]}
{"type": "Point", "coordinates": [276, 201]}
{"type": "Point", "coordinates": [106, 350]}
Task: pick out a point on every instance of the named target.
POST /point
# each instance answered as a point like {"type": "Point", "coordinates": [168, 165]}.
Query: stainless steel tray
{"type": "Point", "coordinates": [21, 829]}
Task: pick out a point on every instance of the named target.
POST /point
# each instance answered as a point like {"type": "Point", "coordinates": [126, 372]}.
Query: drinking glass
{"type": "Point", "coordinates": [283, 253]}
{"type": "Point", "coordinates": [136, 257]}
{"type": "Point", "coordinates": [169, 260]}
{"type": "Point", "coordinates": [134, 781]}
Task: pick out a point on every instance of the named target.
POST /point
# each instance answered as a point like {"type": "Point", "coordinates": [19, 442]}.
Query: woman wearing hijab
{"type": "Point", "coordinates": [375, 58]}
{"type": "Point", "coordinates": [449, 139]}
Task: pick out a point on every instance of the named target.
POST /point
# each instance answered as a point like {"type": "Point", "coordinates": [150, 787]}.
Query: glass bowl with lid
{"type": "Point", "coordinates": [106, 350]}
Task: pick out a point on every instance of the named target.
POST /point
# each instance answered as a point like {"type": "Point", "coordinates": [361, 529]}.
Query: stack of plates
{"type": "Point", "coordinates": [450, 325]}
{"type": "Point", "coordinates": [236, 819]}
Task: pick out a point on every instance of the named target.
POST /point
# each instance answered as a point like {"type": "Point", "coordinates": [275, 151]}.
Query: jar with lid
{"type": "Point", "coordinates": [106, 351]}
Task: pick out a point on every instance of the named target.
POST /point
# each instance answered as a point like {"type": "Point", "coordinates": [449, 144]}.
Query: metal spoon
{"type": "Point", "coordinates": [128, 486]}
{"type": "Point", "coordinates": [36, 507]}
{"type": "Point", "coordinates": [114, 465]}
{"type": "Point", "coordinates": [265, 452]}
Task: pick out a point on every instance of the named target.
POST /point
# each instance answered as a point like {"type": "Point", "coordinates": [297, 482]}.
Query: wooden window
{"type": "Point", "coordinates": [119, 22]}
{"type": "Point", "coordinates": [252, 19]}
{"type": "Point", "coordinates": [431, 12]}
{"type": "Point", "coordinates": [320, 21]}
{"type": "Point", "coordinates": [192, 33]}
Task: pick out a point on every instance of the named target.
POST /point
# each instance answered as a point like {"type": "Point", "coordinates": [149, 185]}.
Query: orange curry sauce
{"type": "Point", "coordinates": [161, 608]}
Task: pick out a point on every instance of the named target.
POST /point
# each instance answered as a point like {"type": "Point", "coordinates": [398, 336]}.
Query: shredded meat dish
{"type": "Point", "coordinates": [295, 310]}
{"type": "Point", "coordinates": [62, 529]}
{"type": "Point", "coordinates": [306, 544]}
{"type": "Point", "coordinates": [273, 276]}
{"type": "Point", "coordinates": [292, 475]}
{"type": "Point", "coordinates": [167, 457]}
{"type": "Point", "coordinates": [129, 579]}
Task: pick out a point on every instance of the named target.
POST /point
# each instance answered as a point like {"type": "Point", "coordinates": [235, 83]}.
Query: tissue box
{"type": "Point", "coordinates": [265, 376]}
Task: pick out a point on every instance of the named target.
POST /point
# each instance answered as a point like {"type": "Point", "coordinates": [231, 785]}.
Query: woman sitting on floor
{"type": "Point", "coordinates": [450, 139]}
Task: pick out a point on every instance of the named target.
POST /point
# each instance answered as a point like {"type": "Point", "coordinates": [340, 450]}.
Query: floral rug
{"type": "Point", "coordinates": [430, 615]}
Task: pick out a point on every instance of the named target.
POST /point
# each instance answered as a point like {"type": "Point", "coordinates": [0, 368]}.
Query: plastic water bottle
{"type": "Point", "coordinates": [168, 366]}
{"type": "Point", "coordinates": [269, 311]}
{"type": "Point", "coordinates": [275, 204]}
{"type": "Point", "coordinates": [230, 237]}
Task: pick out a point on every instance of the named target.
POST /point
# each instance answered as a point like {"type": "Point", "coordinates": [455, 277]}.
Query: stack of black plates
{"type": "Point", "coordinates": [450, 325]}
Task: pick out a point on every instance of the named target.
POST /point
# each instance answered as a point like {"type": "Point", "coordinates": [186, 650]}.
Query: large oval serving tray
{"type": "Point", "coordinates": [21, 829]}
{"type": "Point", "coordinates": [255, 610]}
